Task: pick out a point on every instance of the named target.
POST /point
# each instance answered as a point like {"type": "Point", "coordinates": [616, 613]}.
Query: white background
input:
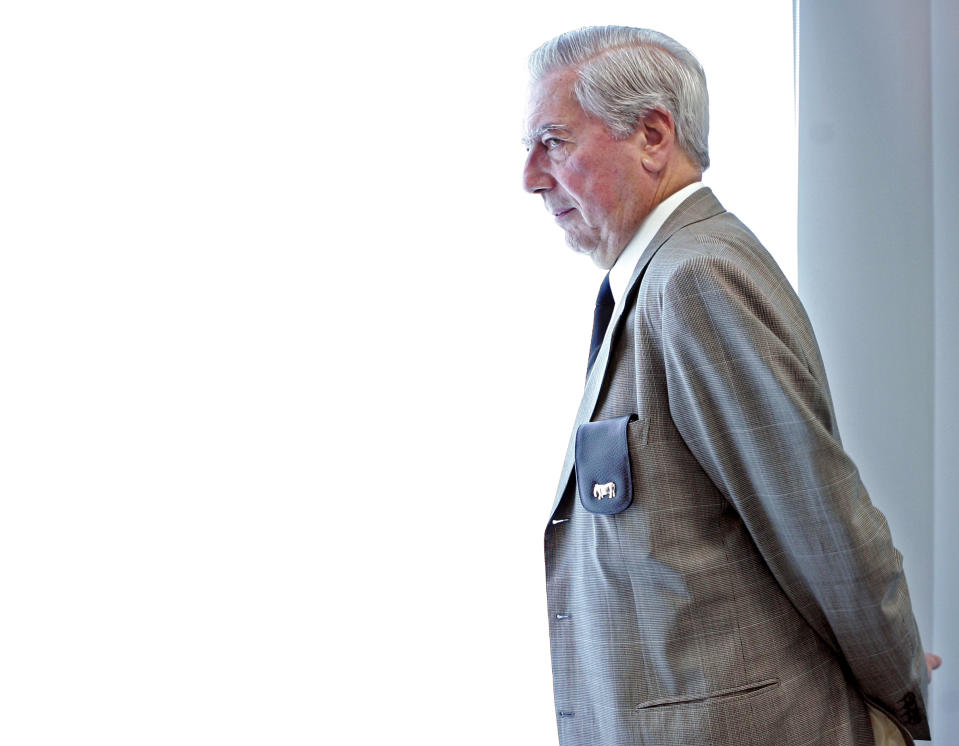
{"type": "Point", "coordinates": [289, 360]}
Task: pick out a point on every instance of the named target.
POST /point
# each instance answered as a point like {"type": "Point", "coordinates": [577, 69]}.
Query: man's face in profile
{"type": "Point", "coordinates": [590, 181]}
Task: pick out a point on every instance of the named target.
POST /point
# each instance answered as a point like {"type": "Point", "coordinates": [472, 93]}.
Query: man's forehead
{"type": "Point", "coordinates": [552, 103]}
{"type": "Point", "coordinates": [553, 89]}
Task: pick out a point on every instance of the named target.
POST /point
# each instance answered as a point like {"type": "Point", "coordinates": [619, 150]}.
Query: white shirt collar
{"type": "Point", "coordinates": [623, 268]}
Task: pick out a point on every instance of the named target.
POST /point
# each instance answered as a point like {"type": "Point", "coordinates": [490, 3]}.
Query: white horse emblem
{"type": "Point", "coordinates": [604, 490]}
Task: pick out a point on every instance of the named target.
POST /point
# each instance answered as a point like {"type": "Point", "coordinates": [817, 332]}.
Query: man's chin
{"type": "Point", "coordinates": [593, 249]}
{"type": "Point", "coordinates": [577, 244]}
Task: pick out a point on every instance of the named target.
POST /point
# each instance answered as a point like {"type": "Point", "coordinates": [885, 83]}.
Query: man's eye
{"type": "Point", "coordinates": [551, 143]}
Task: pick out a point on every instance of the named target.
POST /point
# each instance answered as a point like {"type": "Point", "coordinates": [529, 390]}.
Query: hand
{"type": "Point", "coordinates": [933, 662]}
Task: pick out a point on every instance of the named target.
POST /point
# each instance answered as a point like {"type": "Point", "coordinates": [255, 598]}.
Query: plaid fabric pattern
{"type": "Point", "coordinates": [750, 593]}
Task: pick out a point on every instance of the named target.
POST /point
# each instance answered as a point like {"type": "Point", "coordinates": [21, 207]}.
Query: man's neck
{"type": "Point", "coordinates": [622, 270]}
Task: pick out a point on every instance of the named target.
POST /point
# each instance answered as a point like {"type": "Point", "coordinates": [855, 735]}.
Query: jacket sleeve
{"type": "Point", "coordinates": [748, 395]}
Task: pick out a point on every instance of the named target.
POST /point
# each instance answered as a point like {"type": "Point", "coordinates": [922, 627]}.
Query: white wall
{"type": "Point", "coordinates": [945, 165]}
{"type": "Point", "coordinates": [877, 271]}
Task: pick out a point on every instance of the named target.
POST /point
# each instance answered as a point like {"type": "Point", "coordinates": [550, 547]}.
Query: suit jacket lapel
{"type": "Point", "coordinates": [698, 206]}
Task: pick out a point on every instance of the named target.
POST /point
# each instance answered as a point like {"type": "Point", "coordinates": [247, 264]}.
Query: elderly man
{"type": "Point", "coordinates": [716, 573]}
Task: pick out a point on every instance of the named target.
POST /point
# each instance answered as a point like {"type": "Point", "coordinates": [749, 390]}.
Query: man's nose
{"type": "Point", "coordinates": [536, 178]}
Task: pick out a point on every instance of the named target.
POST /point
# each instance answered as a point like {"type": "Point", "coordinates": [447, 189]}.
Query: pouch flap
{"type": "Point", "coordinates": [603, 475]}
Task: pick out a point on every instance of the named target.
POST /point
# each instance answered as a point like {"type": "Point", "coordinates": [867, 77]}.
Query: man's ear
{"type": "Point", "coordinates": [657, 133]}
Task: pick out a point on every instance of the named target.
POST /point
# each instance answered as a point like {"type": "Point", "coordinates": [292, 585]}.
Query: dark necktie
{"type": "Point", "coordinates": [601, 317]}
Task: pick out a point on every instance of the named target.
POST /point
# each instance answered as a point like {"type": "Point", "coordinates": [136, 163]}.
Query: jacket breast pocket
{"type": "Point", "coordinates": [604, 476]}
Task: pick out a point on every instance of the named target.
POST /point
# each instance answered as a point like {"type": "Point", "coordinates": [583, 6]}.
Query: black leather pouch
{"type": "Point", "coordinates": [603, 476]}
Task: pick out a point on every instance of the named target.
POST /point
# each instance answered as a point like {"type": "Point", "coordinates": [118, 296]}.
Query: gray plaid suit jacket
{"type": "Point", "coordinates": [747, 591]}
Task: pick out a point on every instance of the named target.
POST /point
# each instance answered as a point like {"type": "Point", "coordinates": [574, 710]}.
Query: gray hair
{"type": "Point", "coordinates": [624, 73]}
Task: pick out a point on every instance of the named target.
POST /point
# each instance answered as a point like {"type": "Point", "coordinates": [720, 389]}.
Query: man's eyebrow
{"type": "Point", "coordinates": [534, 136]}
